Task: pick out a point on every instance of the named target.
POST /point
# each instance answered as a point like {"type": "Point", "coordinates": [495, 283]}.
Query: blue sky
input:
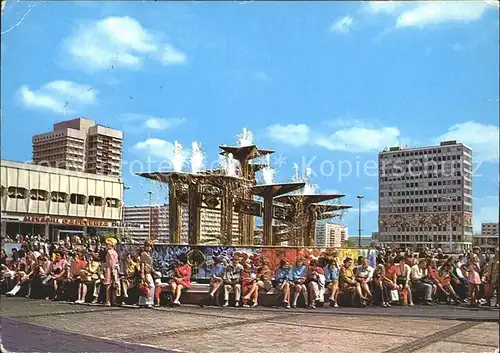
{"type": "Point", "coordinates": [323, 83]}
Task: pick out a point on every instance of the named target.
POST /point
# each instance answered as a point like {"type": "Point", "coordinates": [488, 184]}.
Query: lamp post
{"type": "Point", "coordinates": [150, 205]}
{"type": "Point", "coordinates": [359, 219]}
{"type": "Point", "coordinates": [450, 244]}
{"type": "Point", "coordinates": [125, 187]}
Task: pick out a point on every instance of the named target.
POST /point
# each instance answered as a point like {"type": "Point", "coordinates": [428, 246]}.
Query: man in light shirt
{"type": "Point", "coordinates": [417, 281]}
{"type": "Point", "coordinates": [364, 275]}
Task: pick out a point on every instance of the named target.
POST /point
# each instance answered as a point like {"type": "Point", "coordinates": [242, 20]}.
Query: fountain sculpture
{"type": "Point", "coordinates": [231, 189]}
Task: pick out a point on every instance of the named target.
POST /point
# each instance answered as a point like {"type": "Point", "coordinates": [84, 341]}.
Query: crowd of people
{"type": "Point", "coordinates": [383, 278]}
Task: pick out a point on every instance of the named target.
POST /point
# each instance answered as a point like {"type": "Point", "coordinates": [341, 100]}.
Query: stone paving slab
{"type": "Point", "coordinates": [445, 312]}
{"type": "Point", "coordinates": [395, 326]}
{"type": "Point", "coordinates": [15, 307]}
{"type": "Point", "coordinates": [447, 347]}
{"type": "Point", "coordinates": [235, 313]}
{"type": "Point", "coordinates": [268, 336]}
{"type": "Point", "coordinates": [477, 335]}
{"type": "Point", "coordinates": [18, 336]}
{"type": "Point", "coordinates": [127, 323]}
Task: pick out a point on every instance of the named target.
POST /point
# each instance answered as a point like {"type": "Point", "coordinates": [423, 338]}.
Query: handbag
{"type": "Point", "coordinates": [144, 289]}
{"type": "Point", "coordinates": [394, 295]}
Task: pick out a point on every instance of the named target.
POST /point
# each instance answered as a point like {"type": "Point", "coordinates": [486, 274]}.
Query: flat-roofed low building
{"type": "Point", "coordinates": [489, 238]}
{"type": "Point", "coordinates": [43, 200]}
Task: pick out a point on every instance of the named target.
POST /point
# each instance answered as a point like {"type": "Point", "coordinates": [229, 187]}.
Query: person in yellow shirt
{"type": "Point", "coordinates": [349, 284]}
{"type": "Point", "coordinates": [88, 276]}
{"type": "Point", "coordinates": [129, 278]}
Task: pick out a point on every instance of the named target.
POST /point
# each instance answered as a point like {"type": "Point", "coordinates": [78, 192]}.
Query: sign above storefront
{"type": "Point", "coordinates": [69, 221]}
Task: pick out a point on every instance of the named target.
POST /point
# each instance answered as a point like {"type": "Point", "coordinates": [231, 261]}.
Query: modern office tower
{"type": "Point", "coordinates": [425, 196]}
{"type": "Point", "coordinates": [330, 235]}
{"type": "Point", "coordinates": [82, 145]}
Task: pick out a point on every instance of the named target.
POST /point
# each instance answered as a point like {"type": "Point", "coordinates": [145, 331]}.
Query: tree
{"type": "Point", "coordinates": [350, 243]}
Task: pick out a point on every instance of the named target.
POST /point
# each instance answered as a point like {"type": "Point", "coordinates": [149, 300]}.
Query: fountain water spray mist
{"type": "Point", "coordinates": [246, 138]}
{"type": "Point", "coordinates": [197, 158]}
{"type": "Point", "coordinates": [295, 177]}
{"type": "Point", "coordinates": [267, 171]}
{"type": "Point", "coordinates": [309, 189]}
{"type": "Point", "coordinates": [178, 157]}
{"type": "Point", "coordinates": [230, 165]}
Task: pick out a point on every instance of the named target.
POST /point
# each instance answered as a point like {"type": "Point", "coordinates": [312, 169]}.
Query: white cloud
{"type": "Point", "coordinates": [482, 138]}
{"type": "Point", "coordinates": [360, 139]}
{"type": "Point", "coordinates": [432, 13]}
{"type": "Point", "coordinates": [170, 55]}
{"type": "Point", "coordinates": [156, 148]}
{"type": "Point", "coordinates": [386, 7]}
{"type": "Point", "coordinates": [366, 207]}
{"type": "Point", "coordinates": [292, 134]}
{"type": "Point", "coordinates": [342, 25]}
{"type": "Point", "coordinates": [351, 139]}
{"type": "Point", "coordinates": [118, 41]}
{"type": "Point", "coordinates": [368, 188]}
{"type": "Point", "coordinates": [485, 210]}
{"type": "Point", "coordinates": [163, 124]}
{"type": "Point", "coordinates": [58, 96]}
{"type": "Point", "coordinates": [424, 14]}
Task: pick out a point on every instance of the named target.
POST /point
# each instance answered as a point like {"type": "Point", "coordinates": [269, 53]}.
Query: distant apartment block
{"type": "Point", "coordinates": [330, 235]}
{"type": "Point", "coordinates": [137, 221]}
{"type": "Point", "coordinates": [488, 239]}
{"type": "Point", "coordinates": [425, 196]}
{"type": "Point", "coordinates": [80, 145]}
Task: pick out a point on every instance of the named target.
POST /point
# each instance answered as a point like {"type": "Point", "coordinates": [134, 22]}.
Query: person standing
{"type": "Point", "coordinates": [110, 269]}
{"type": "Point", "coordinates": [146, 268]}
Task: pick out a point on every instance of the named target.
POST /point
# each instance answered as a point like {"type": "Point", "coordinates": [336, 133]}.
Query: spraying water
{"type": "Point", "coordinates": [295, 177]}
{"type": "Point", "coordinates": [309, 189]}
{"type": "Point", "coordinates": [197, 158]}
{"type": "Point", "coordinates": [178, 157]}
{"type": "Point", "coordinates": [246, 138]}
{"type": "Point", "coordinates": [267, 171]}
{"type": "Point", "coordinates": [229, 164]}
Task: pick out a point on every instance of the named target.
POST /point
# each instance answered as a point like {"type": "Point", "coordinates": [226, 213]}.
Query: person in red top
{"type": "Point", "coordinates": [181, 280]}
{"type": "Point", "coordinates": [76, 267]}
{"type": "Point", "coordinates": [390, 270]}
{"type": "Point", "coordinates": [313, 281]}
{"type": "Point", "coordinates": [249, 287]}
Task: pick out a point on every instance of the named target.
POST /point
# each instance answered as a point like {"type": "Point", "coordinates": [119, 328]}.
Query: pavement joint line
{"type": "Point", "coordinates": [473, 343]}
{"type": "Point", "coordinates": [429, 340]}
{"type": "Point", "coordinates": [235, 322]}
{"type": "Point", "coordinates": [339, 328]}
{"type": "Point", "coordinates": [382, 313]}
{"type": "Point", "coordinates": [59, 313]}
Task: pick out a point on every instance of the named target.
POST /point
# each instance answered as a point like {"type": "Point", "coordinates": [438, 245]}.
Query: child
{"type": "Point", "coordinates": [216, 279]}
{"type": "Point", "coordinates": [332, 281]}
{"type": "Point", "coordinates": [472, 268]}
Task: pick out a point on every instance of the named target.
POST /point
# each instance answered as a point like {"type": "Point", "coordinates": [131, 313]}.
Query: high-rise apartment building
{"type": "Point", "coordinates": [425, 196]}
{"type": "Point", "coordinates": [137, 224]}
{"type": "Point", "coordinates": [488, 240]}
{"type": "Point", "coordinates": [81, 145]}
{"type": "Point", "coordinates": [330, 235]}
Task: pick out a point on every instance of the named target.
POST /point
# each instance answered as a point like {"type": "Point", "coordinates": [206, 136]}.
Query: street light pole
{"type": "Point", "coordinates": [125, 187]}
{"type": "Point", "coordinates": [150, 205]}
{"type": "Point", "coordinates": [359, 219]}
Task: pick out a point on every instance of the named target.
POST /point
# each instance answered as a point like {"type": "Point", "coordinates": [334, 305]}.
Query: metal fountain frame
{"type": "Point", "coordinates": [213, 189]}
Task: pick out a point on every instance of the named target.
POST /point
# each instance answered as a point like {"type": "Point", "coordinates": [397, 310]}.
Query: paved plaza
{"type": "Point", "coordinates": [44, 326]}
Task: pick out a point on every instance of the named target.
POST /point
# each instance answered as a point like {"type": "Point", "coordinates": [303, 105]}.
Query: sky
{"type": "Point", "coordinates": [327, 85]}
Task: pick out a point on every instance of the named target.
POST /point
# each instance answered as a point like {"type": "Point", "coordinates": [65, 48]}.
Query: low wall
{"type": "Point", "coordinates": [201, 257]}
